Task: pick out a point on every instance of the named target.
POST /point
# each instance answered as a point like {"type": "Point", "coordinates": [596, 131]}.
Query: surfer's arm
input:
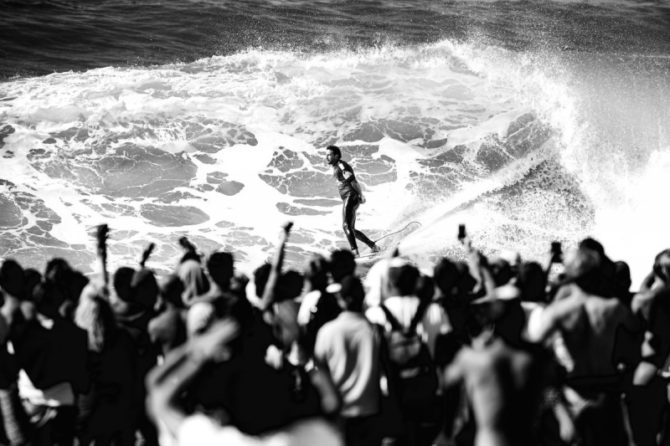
{"type": "Point", "coordinates": [357, 187]}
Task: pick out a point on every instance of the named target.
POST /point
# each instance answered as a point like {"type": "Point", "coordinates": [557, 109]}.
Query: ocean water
{"type": "Point", "coordinates": [527, 121]}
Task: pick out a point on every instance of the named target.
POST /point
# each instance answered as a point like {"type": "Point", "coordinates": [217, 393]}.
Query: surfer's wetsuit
{"type": "Point", "coordinates": [351, 200]}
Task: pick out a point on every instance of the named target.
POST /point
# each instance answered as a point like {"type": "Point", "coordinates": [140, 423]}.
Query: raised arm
{"type": "Point", "coordinates": [101, 235]}
{"type": "Point", "coordinates": [146, 253]}
{"type": "Point", "coordinates": [478, 266]}
{"type": "Point", "coordinates": [166, 382]}
{"type": "Point", "coordinates": [275, 272]}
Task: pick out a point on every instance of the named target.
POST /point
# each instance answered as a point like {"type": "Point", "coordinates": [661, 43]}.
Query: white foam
{"type": "Point", "coordinates": [291, 100]}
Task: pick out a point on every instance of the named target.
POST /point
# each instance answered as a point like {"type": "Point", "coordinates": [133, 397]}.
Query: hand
{"type": "Point", "coordinates": [286, 229]}
{"type": "Point", "coordinates": [211, 345]}
{"type": "Point", "coordinates": [362, 199]}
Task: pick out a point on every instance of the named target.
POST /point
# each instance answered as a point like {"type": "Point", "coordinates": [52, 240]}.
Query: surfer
{"type": "Point", "coordinates": [352, 197]}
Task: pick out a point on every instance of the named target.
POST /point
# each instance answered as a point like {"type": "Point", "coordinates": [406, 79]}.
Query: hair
{"type": "Point", "coordinates": [342, 264]}
{"type": "Point", "coordinates": [336, 150]}
{"type": "Point", "coordinates": [123, 276]}
{"type": "Point", "coordinates": [316, 272]}
{"type": "Point", "coordinates": [95, 315]}
{"type": "Point", "coordinates": [445, 275]}
{"type": "Point", "coordinates": [31, 278]}
{"type": "Point", "coordinates": [195, 281]}
{"type": "Point", "coordinates": [425, 288]}
{"type": "Point", "coordinates": [220, 266]}
{"type": "Point", "coordinates": [501, 271]}
{"type": "Point", "coordinates": [584, 270]}
{"type": "Point", "coordinates": [660, 267]}
{"type": "Point", "coordinates": [532, 281]}
{"type": "Point", "coordinates": [47, 298]}
{"type": "Point", "coordinates": [57, 270]}
{"type": "Point", "coordinates": [352, 293]}
{"type": "Point", "coordinates": [403, 278]}
{"type": "Point", "coordinates": [144, 288]}
{"type": "Point", "coordinates": [171, 290]}
{"type": "Point", "coordinates": [593, 245]}
{"type": "Point", "coordinates": [289, 286]}
{"type": "Point", "coordinates": [12, 277]}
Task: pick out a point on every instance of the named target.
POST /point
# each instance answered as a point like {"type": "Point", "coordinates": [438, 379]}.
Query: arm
{"type": "Point", "coordinates": [478, 266]}
{"type": "Point", "coordinates": [101, 235]}
{"type": "Point", "coordinates": [165, 382]}
{"type": "Point", "coordinates": [330, 399]}
{"type": "Point", "coordinates": [350, 178]}
{"type": "Point", "coordinates": [269, 292]}
{"type": "Point", "coordinates": [550, 319]}
{"type": "Point", "coordinates": [357, 188]}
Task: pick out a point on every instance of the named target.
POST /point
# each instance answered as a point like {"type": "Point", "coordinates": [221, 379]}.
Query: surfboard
{"type": "Point", "coordinates": [388, 242]}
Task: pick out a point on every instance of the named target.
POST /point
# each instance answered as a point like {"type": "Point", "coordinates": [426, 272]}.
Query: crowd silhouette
{"type": "Point", "coordinates": [482, 351]}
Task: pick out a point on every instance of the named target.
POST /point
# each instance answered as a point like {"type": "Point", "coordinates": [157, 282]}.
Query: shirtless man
{"type": "Point", "coordinates": [352, 197]}
{"type": "Point", "coordinates": [504, 381]}
{"type": "Point", "coordinates": [591, 328]}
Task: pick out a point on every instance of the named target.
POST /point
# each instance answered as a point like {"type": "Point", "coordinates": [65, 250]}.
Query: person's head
{"type": "Point", "coordinates": [316, 273]}
{"type": "Point", "coordinates": [47, 299]}
{"type": "Point", "coordinates": [31, 278]}
{"type": "Point", "coordinates": [195, 281]}
{"type": "Point", "coordinates": [12, 278]}
{"type": "Point", "coordinates": [342, 264]}
{"type": "Point", "coordinates": [501, 270]}
{"type": "Point", "coordinates": [582, 266]}
{"type": "Point", "coordinates": [622, 274]}
{"type": "Point", "coordinates": [502, 310]}
{"type": "Point", "coordinates": [57, 271]}
{"type": "Point", "coordinates": [333, 154]}
{"type": "Point", "coordinates": [121, 281]}
{"type": "Point", "coordinates": [171, 290]}
{"type": "Point", "coordinates": [465, 282]}
{"type": "Point", "coordinates": [509, 326]}
{"type": "Point", "coordinates": [144, 288]}
{"type": "Point", "coordinates": [532, 282]}
{"type": "Point", "coordinates": [289, 285]}
{"type": "Point", "coordinates": [351, 294]}
{"type": "Point", "coordinates": [220, 266]}
{"type": "Point", "coordinates": [592, 245]}
{"type": "Point", "coordinates": [402, 277]}
{"type": "Point", "coordinates": [94, 314]}
{"type": "Point", "coordinates": [662, 265]}
{"type": "Point", "coordinates": [445, 275]}
{"type": "Point", "coordinates": [425, 288]}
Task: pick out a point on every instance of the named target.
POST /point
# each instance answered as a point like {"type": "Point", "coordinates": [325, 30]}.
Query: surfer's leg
{"type": "Point", "coordinates": [349, 220]}
{"type": "Point", "coordinates": [359, 235]}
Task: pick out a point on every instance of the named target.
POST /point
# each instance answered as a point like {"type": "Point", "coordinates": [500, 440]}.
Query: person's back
{"type": "Point", "coordinates": [349, 348]}
{"type": "Point", "coordinates": [591, 329]}
{"type": "Point", "coordinates": [504, 386]}
{"type": "Point", "coordinates": [589, 325]}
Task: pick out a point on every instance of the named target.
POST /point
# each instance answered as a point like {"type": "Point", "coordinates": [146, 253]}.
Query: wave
{"type": "Point", "coordinates": [225, 148]}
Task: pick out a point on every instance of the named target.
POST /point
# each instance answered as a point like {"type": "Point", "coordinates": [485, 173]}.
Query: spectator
{"type": "Point", "coordinates": [105, 411]}
{"type": "Point", "coordinates": [348, 348]}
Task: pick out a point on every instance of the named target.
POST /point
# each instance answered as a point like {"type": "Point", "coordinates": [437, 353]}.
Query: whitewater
{"type": "Point", "coordinates": [523, 147]}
